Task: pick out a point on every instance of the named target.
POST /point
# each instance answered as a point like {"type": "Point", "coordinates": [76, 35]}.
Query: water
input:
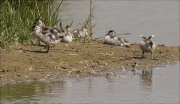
{"type": "Point", "coordinates": [139, 17]}
{"type": "Point", "coordinates": [136, 17]}
{"type": "Point", "coordinates": [160, 86]}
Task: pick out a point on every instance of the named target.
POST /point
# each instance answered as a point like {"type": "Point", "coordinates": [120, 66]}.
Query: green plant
{"type": "Point", "coordinates": [17, 17]}
{"type": "Point", "coordinates": [87, 22]}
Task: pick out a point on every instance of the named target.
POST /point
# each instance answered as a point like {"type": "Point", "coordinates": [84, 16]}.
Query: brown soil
{"type": "Point", "coordinates": [25, 62]}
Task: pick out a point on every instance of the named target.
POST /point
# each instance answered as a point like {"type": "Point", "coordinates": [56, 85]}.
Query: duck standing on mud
{"type": "Point", "coordinates": [46, 37]}
{"type": "Point", "coordinates": [112, 39]}
{"type": "Point", "coordinates": [53, 30]}
{"type": "Point", "coordinates": [147, 45]}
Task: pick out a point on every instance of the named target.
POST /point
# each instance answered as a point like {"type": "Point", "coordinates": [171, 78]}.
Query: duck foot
{"type": "Point", "coordinates": [48, 49]}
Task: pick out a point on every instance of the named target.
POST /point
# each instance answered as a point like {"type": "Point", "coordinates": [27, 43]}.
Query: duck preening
{"type": "Point", "coordinates": [112, 39]}
{"type": "Point", "coordinates": [67, 35]}
{"type": "Point", "coordinates": [80, 33]}
{"type": "Point", "coordinates": [147, 45]}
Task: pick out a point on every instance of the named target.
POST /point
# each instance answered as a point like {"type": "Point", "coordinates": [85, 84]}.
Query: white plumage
{"type": "Point", "coordinates": [67, 37]}
{"type": "Point", "coordinates": [147, 45]}
{"type": "Point", "coordinates": [63, 35]}
{"type": "Point", "coordinates": [112, 39]}
{"type": "Point", "coordinates": [46, 37]}
{"type": "Point", "coordinates": [53, 30]}
{"type": "Point", "coordinates": [80, 33]}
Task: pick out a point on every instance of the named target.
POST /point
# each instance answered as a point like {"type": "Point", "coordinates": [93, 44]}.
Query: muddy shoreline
{"type": "Point", "coordinates": [29, 63]}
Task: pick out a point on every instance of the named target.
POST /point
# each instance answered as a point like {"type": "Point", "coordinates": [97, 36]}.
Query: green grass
{"type": "Point", "coordinates": [17, 17]}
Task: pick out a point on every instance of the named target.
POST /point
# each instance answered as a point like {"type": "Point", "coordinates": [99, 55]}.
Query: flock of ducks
{"type": "Point", "coordinates": [50, 36]}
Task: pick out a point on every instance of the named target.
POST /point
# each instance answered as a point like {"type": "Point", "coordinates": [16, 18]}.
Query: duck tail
{"type": "Point", "coordinates": [127, 44]}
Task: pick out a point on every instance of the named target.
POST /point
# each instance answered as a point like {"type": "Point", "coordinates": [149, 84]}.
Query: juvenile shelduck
{"type": "Point", "coordinates": [46, 37]}
{"type": "Point", "coordinates": [53, 30]}
{"type": "Point", "coordinates": [80, 33]}
{"type": "Point", "coordinates": [67, 37]}
{"type": "Point", "coordinates": [147, 45]}
{"type": "Point", "coordinates": [112, 39]}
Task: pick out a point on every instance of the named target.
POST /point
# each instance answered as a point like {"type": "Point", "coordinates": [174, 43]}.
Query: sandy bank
{"type": "Point", "coordinates": [25, 62]}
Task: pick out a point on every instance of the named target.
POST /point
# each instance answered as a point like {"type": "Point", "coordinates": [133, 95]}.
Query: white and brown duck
{"type": "Point", "coordinates": [53, 30]}
{"type": "Point", "coordinates": [147, 45]}
{"type": "Point", "coordinates": [112, 39]}
{"type": "Point", "coordinates": [67, 35]}
{"type": "Point", "coordinates": [47, 37]}
{"type": "Point", "coordinates": [77, 33]}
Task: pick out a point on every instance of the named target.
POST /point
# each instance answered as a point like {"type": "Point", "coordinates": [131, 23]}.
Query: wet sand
{"type": "Point", "coordinates": [30, 63]}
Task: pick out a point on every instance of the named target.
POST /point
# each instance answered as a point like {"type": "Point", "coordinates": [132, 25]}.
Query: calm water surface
{"type": "Point", "coordinates": [160, 86]}
{"type": "Point", "coordinates": [139, 17]}
{"type": "Point", "coordinates": [136, 17]}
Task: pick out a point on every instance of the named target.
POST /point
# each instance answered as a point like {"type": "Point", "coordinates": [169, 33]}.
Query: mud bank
{"type": "Point", "coordinates": [29, 63]}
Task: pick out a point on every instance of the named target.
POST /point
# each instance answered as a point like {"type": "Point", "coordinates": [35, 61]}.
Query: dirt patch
{"type": "Point", "coordinates": [25, 62]}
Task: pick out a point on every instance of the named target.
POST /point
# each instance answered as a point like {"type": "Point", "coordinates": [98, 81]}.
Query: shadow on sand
{"type": "Point", "coordinates": [139, 57]}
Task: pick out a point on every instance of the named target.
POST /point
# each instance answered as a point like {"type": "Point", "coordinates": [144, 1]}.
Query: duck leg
{"type": "Point", "coordinates": [48, 48]}
{"type": "Point", "coordinates": [152, 55]}
{"type": "Point", "coordinates": [53, 45]}
{"type": "Point", "coordinates": [39, 43]}
{"type": "Point", "coordinates": [142, 54]}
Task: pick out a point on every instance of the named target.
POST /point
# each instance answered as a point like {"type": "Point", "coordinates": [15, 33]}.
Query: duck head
{"type": "Point", "coordinates": [68, 28]}
{"type": "Point", "coordinates": [84, 29]}
{"type": "Point", "coordinates": [36, 28]}
{"type": "Point", "coordinates": [111, 33]}
{"type": "Point", "coordinates": [39, 22]}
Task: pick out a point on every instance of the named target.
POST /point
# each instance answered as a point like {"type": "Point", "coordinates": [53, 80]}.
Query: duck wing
{"type": "Point", "coordinates": [144, 38]}
{"type": "Point", "coordinates": [150, 37]}
{"type": "Point", "coordinates": [76, 32]}
{"type": "Point", "coordinates": [124, 41]}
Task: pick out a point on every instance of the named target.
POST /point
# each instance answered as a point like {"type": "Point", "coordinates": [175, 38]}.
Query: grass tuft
{"type": "Point", "coordinates": [17, 17]}
{"type": "Point", "coordinates": [87, 22]}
